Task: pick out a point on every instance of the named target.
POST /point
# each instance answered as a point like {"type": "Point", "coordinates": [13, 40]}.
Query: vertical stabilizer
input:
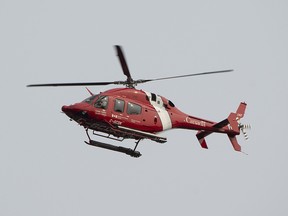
{"type": "Point", "coordinates": [241, 110]}
{"type": "Point", "coordinates": [234, 142]}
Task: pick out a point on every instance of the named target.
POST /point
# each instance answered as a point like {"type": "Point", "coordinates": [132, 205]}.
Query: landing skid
{"type": "Point", "coordinates": [128, 151]}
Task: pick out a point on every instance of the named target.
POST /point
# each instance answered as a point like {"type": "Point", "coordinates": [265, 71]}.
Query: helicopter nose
{"type": "Point", "coordinates": [65, 108]}
{"type": "Point", "coordinates": [68, 110]}
{"type": "Point", "coordinates": [75, 111]}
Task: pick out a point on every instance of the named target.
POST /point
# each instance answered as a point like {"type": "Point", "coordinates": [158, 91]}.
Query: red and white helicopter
{"type": "Point", "coordinates": [129, 113]}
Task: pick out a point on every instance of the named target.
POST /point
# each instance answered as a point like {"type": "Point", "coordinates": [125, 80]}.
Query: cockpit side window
{"type": "Point", "coordinates": [119, 105]}
{"type": "Point", "coordinates": [102, 102]}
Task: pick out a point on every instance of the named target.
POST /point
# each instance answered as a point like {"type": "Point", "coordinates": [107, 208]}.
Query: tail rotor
{"type": "Point", "coordinates": [243, 128]}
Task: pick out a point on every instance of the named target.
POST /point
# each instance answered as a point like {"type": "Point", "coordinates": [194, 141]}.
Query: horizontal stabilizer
{"type": "Point", "coordinates": [202, 134]}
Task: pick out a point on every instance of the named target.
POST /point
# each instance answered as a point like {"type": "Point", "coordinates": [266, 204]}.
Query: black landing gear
{"type": "Point", "coordinates": [128, 151]}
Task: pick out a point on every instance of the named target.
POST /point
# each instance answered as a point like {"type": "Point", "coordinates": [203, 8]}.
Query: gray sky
{"type": "Point", "coordinates": [46, 169]}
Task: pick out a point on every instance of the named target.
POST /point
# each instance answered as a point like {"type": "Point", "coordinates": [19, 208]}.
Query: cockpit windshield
{"type": "Point", "coordinates": [91, 99]}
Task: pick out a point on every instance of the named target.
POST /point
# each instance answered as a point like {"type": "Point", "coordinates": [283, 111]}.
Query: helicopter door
{"type": "Point", "coordinates": [101, 105]}
{"type": "Point", "coordinates": [134, 113]}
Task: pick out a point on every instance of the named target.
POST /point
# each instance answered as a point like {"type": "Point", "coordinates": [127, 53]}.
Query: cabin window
{"type": "Point", "coordinates": [133, 109]}
{"type": "Point", "coordinates": [171, 103]}
{"type": "Point", "coordinates": [119, 105]}
{"type": "Point", "coordinates": [101, 102]}
{"type": "Point", "coordinates": [153, 96]}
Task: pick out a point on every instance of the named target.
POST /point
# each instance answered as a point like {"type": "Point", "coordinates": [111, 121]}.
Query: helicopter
{"type": "Point", "coordinates": [130, 113]}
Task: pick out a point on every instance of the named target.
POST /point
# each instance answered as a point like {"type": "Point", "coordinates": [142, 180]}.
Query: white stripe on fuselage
{"type": "Point", "coordinates": [162, 112]}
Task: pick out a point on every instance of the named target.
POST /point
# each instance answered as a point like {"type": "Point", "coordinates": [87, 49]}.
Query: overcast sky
{"type": "Point", "coordinates": [45, 167]}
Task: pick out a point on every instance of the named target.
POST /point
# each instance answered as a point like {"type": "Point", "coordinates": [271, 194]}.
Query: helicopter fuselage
{"type": "Point", "coordinates": [136, 110]}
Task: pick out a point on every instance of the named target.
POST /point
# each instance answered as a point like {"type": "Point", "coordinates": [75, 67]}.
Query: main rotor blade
{"type": "Point", "coordinates": [74, 84]}
{"type": "Point", "coordinates": [123, 62]}
{"type": "Point", "coordinates": [125, 82]}
{"type": "Point", "coordinates": [188, 75]}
